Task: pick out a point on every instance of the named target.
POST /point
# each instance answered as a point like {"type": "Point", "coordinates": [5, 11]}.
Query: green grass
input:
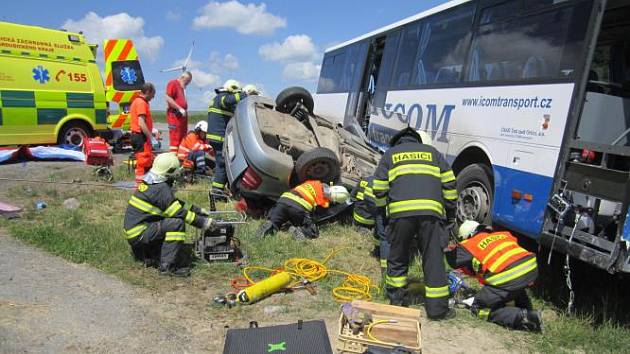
{"type": "Point", "coordinates": [193, 116]}
{"type": "Point", "coordinates": [91, 234]}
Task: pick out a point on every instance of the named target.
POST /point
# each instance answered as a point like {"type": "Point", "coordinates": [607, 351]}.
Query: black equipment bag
{"type": "Point", "coordinates": [308, 337]}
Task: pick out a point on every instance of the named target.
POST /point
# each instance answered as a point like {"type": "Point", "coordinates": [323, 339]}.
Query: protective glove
{"type": "Point", "coordinates": [339, 194]}
{"type": "Point", "coordinates": [205, 212]}
{"type": "Point", "coordinates": [210, 224]}
{"type": "Point", "coordinates": [182, 112]}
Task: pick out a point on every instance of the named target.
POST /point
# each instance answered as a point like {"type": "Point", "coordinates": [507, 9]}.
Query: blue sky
{"type": "Point", "coordinates": [274, 44]}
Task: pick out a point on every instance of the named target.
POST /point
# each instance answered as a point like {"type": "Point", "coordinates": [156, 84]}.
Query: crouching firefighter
{"type": "Point", "coordinates": [418, 187]}
{"type": "Point", "coordinates": [154, 220]}
{"type": "Point", "coordinates": [505, 269]}
{"type": "Point", "coordinates": [193, 148]}
{"type": "Point", "coordinates": [297, 206]}
{"type": "Point", "coordinates": [365, 215]}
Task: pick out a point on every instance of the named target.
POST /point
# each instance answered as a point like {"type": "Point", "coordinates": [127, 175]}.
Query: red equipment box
{"type": "Point", "coordinates": [97, 152]}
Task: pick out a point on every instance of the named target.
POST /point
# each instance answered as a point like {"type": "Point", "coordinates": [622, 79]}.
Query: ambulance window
{"type": "Point", "coordinates": [127, 75]}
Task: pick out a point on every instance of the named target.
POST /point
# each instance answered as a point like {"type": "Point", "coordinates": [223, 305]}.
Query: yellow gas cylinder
{"type": "Point", "coordinates": [264, 288]}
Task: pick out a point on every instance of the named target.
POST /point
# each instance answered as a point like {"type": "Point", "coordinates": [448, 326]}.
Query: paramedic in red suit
{"type": "Point", "coordinates": [177, 111]}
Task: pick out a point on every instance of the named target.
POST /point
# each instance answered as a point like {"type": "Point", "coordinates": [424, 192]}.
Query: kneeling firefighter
{"type": "Point", "coordinates": [504, 268]}
{"type": "Point", "coordinates": [154, 220]}
{"type": "Point", "coordinates": [297, 206]}
{"type": "Point", "coordinates": [193, 148]}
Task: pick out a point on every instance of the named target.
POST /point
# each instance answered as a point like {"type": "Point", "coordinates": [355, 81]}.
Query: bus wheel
{"type": "Point", "coordinates": [475, 194]}
{"type": "Point", "coordinates": [73, 133]}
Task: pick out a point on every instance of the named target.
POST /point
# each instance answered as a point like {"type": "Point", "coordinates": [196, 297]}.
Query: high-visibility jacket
{"type": "Point", "coordinates": [494, 254]}
{"type": "Point", "coordinates": [307, 195]}
{"type": "Point", "coordinates": [414, 179]}
{"type": "Point", "coordinates": [220, 111]}
{"type": "Point", "coordinates": [192, 142]}
{"type": "Point", "coordinates": [364, 203]}
{"type": "Point", "coordinates": [154, 202]}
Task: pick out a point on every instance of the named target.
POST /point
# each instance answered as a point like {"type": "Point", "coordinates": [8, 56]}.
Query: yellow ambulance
{"type": "Point", "coordinates": [51, 89]}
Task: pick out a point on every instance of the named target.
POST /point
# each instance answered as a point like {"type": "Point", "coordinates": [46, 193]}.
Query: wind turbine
{"type": "Point", "coordinates": [186, 62]}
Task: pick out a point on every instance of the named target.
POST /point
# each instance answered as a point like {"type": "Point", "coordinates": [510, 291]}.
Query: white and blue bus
{"type": "Point", "coordinates": [528, 99]}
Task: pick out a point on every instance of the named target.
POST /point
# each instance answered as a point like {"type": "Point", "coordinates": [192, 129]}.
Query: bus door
{"type": "Point", "coordinates": [588, 215]}
{"type": "Point", "coordinates": [351, 79]}
{"type": "Point", "coordinates": [368, 81]}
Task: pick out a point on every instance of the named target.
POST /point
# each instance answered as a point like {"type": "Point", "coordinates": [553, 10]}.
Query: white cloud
{"type": "Point", "coordinates": [121, 26]}
{"type": "Point", "coordinates": [173, 15]}
{"type": "Point", "coordinates": [245, 19]}
{"type": "Point", "coordinates": [301, 71]}
{"type": "Point", "coordinates": [204, 79]}
{"type": "Point", "coordinates": [218, 64]}
{"type": "Point", "coordinates": [294, 48]}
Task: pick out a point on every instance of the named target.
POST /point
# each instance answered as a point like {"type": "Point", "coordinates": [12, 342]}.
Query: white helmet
{"type": "Point", "coordinates": [251, 90]}
{"type": "Point", "coordinates": [232, 85]}
{"type": "Point", "coordinates": [467, 229]}
{"type": "Point", "coordinates": [202, 125]}
{"type": "Point", "coordinates": [338, 194]}
{"type": "Point", "coordinates": [426, 139]}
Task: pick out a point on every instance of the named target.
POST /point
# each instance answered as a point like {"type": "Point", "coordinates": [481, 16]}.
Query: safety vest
{"type": "Point", "coordinates": [364, 203]}
{"type": "Point", "coordinates": [494, 252]}
{"type": "Point", "coordinates": [309, 195]}
{"type": "Point", "coordinates": [191, 142]}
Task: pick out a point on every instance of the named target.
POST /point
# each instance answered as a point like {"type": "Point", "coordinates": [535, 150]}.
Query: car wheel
{"type": "Point", "coordinates": [319, 164]}
{"type": "Point", "coordinates": [74, 133]}
{"type": "Point", "coordinates": [289, 97]}
{"type": "Point", "coordinates": [476, 193]}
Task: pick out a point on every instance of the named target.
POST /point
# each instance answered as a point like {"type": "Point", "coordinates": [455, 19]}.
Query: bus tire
{"type": "Point", "coordinates": [320, 164]}
{"type": "Point", "coordinates": [288, 98]}
{"type": "Point", "coordinates": [475, 194]}
{"type": "Point", "coordinates": [74, 133]}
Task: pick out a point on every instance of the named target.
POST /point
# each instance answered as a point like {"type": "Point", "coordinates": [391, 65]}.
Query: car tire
{"type": "Point", "coordinates": [475, 194]}
{"type": "Point", "coordinates": [319, 164]}
{"type": "Point", "coordinates": [286, 100]}
{"type": "Point", "coordinates": [74, 133]}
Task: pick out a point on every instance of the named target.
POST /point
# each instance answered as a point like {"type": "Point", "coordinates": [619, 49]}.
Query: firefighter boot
{"type": "Point", "coordinates": [268, 228]}
{"type": "Point", "coordinates": [167, 270]}
{"type": "Point", "coordinates": [531, 321]}
{"type": "Point", "coordinates": [397, 296]}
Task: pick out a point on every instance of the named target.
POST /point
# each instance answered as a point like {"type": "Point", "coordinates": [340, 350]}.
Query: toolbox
{"type": "Point", "coordinates": [97, 152]}
{"type": "Point", "coordinates": [303, 337]}
{"type": "Point", "coordinates": [403, 334]}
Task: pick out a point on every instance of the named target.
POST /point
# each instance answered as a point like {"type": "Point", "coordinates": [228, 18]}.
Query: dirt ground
{"type": "Point", "coordinates": [48, 304]}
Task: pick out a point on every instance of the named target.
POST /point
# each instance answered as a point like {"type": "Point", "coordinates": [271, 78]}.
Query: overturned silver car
{"type": "Point", "coordinates": [272, 146]}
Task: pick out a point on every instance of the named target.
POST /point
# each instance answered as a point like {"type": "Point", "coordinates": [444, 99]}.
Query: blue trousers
{"type": "Point", "coordinates": [220, 175]}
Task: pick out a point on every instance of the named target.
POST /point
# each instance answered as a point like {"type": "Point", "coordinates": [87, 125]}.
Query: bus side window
{"type": "Point", "coordinates": [331, 72]}
{"type": "Point", "coordinates": [542, 46]}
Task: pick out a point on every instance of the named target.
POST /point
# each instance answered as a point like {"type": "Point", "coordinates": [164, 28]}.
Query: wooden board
{"type": "Point", "coordinates": [382, 309]}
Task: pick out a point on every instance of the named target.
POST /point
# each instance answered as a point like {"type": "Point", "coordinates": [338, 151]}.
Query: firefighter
{"type": "Point", "coordinates": [417, 186]}
{"type": "Point", "coordinates": [194, 147]}
{"type": "Point", "coordinates": [141, 125]}
{"type": "Point", "coordinates": [297, 206]}
{"type": "Point", "coordinates": [155, 218]}
{"type": "Point", "coordinates": [251, 90]}
{"type": "Point", "coordinates": [177, 109]}
{"type": "Point", "coordinates": [504, 268]}
{"type": "Point", "coordinates": [365, 215]}
{"type": "Point", "coordinates": [220, 111]}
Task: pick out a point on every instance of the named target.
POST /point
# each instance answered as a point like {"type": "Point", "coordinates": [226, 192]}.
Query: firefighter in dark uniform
{"type": "Point", "coordinates": [155, 218]}
{"type": "Point", "coordinates": [297, 206]}
{"type": "Point", "coordinates": [220, 111]}
{"type": "Point", "coordinates": [418, 187]}
{"type": "Point", "coordinates": [504, 268]}
{"type": "Point", "coordinates": [365, 215]}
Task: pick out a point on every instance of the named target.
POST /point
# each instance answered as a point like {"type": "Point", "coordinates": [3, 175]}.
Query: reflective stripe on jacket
{"type": "Point", "coordinates": [494, 252]}
{"type": "Point", "coordinates": [191, 142]}
{"type": "Point", "coordinates": [220, 111]}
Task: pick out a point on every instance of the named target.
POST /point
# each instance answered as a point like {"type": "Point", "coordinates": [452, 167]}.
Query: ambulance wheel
{"type": "Point", "coordinates": [289, 97]}
{"type": "Point", "coordinates": [475, 189]}
{"type": "Point", "coordinates": [74, 133]}
{"type": "Point", "coordinates": [318, 164]}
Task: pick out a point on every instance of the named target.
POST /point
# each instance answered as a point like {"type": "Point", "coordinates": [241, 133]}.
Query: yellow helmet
{"type": "Point", "coordinates": [251, 89]}
{"type": "Point", "coordinates": [166, 165]}
{"type": "Point", "coordinates": [232, 85]}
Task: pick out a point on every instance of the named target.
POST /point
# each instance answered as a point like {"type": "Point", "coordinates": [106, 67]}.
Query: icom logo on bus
{"type": "Point", "coordinates": [430, 117]}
